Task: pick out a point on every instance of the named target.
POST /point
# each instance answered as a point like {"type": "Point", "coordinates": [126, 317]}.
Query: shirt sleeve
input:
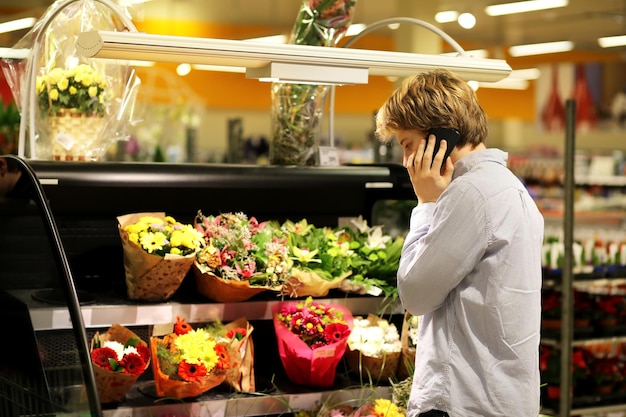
{"type": "Point", "coordinates": [446, 240]}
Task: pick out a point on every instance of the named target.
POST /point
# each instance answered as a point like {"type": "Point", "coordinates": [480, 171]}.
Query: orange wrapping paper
{"type": "Point", "coordinates": [303, 365]}
{"type": "Point", "coordinates": [166, 387]}
{"type": "Point", "coordinates": [150, 277]}
{"type": "Point", "coordinates": [113, 386]}
{"type": "Point", "coordinates": [223, 291]}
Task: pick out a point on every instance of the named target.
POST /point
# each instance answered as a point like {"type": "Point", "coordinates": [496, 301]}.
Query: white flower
{"type": "Point", "coordinates": [376, 239]}
{"type": "Point", "coordinates": [119, 349]}
{"type": "Point", "coordinates": [116, 346]}
{"type": "Point", "coordinates": [374, 338]}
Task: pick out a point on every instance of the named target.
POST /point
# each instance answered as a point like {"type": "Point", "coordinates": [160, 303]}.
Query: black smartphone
{"type": "Point", "coordinates": [450, 135]}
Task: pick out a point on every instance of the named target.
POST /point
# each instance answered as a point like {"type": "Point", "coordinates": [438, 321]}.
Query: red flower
{"type": "Point", "coordinates": [133, 364]}
{"type": "Point", "coordinates": [143, 351]}
{"type": "Point", "coordinates": [181, 326]}
{"type": "Point", "coordinates": [336, 332]}
{"type": "Point", "coordinates": [101, 357]}
{"type": "Point", "coordinates": [191, 372]}
{"type": "Point", "coordinates": [223, 361]}
{"type": "Point", "coordinates": [238, 333]}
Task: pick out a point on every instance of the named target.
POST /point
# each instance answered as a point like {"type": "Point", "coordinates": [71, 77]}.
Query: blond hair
{"type": "Point", "coordinates": [432, 99]}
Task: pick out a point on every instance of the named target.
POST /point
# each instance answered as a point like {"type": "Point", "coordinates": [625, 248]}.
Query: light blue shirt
{"type": "Point", "coordinates": [471, 267]}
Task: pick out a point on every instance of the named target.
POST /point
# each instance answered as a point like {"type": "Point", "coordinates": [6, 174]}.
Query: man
{"type": "Point", "coordinates": [471, 262]}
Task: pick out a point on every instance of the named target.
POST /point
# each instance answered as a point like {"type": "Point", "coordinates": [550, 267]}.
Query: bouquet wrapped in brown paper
{"type": "Point", "coordinates": [119, 357]}
{"type": "Point", "coordinates": [158, 253]}
{"type": "Point", "coordinates": [240, 375]}
{"type": "Point", "coordinates": [408, 338]}
{"type": "Point", "coordinates": [303, 283]}
{"type": "Point", "coordinates": [240, 259]}
{"type": "Point", "coordinates": [188, 362]}
{"type": "Point", "coordinates": [374, 349]}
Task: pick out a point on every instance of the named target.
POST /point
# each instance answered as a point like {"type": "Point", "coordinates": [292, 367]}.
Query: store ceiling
{"type": "Point", "coordinates": [582, 21]}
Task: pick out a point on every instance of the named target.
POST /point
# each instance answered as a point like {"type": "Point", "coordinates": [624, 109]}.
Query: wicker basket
{"type": "Point", "coordinates": [73, 136]}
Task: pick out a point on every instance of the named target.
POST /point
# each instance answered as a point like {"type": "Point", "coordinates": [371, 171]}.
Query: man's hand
{"type": "Point", "coordinates": [429, 182]}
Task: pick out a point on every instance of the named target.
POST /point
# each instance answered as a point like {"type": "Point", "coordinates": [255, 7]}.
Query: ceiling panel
{"type": "Point", "coordinates": [582, 21]}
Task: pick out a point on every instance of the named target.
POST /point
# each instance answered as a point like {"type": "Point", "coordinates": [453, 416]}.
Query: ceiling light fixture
{"type": "Point", "coordinates": [612, 41]}
{"type": "Point", "coordinates": [252, 55]}
{"type": "Point", "coordinates": [467, 20]}
{"type": "Point", "coordinates": [523, 7]}
{"type": "Point", "coordinates": [541, 48]}
{"type": "Point", "coordinates": [18, 24]}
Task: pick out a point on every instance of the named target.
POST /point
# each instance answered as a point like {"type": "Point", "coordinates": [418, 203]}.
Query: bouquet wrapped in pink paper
{"type": "Point", "coordinates": [312, 339]}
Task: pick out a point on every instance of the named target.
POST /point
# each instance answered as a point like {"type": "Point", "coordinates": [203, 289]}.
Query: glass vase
{"type": "Point", "coordinates": [297, 111]}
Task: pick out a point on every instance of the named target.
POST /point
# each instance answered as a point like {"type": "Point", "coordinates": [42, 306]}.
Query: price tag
{"type": "Point", "coordinates": [328, 156]}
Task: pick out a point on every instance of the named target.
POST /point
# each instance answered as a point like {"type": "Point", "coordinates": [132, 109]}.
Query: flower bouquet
{"type": "Point", "coordinates": [158, 253]}
{"type": "Point", "coordinates": [241, 257]}
{"type": "Point", "coordinates": [188, 362]}
{"type": "Point", "coordinates": [322, 259]}
{"type": "Point", "coordinates": [374, 348]}
{"type": "Point", "coordinates": [408, 339]}
{"type": "Point", "coordinates": [380, 258]}
{"type": "Point", "coordinates": [119, 357]}
{"type": "Point", "coordinates": [312, 338]}
{"type": "Point", "coordinates": [77, 107]}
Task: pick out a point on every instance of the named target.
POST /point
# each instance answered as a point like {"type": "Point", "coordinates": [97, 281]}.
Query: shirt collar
{"type": "Point", "coordinates": [472, 159]}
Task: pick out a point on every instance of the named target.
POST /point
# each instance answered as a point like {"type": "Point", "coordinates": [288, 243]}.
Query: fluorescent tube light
{"type": "Point", "coordinates": [208, 51]}
{"type": "Point", "coordinates": [220, 68]}
{"type": "Point", "coordinates": [18, 24]}
{"type": "Point", "coordinates": [14, 53]}
{"type": "Point", "coordinates": [541, 48]}
{"type": "Point", "coordinates": [446, 16]}
{"type": "Point", "coordinates": [523, 7]}
{"type": "Point", "coordinates": [301, 73]}
{"type": "Point", "coordinates": [612, 41]}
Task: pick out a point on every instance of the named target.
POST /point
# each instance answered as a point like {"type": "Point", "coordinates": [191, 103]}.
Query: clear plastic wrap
{"type": "Point", "coordinates": [72, 108]}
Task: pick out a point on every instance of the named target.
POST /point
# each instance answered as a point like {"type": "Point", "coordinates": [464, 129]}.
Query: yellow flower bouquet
{"type": "Point", "coordinates": [81, 89]}
{"type": "Point", "coordinates": [73, 101]}
{"type": "Point", "coordinates": [189, 361]}
{"type": "Point", "coordinates": [158, 253]}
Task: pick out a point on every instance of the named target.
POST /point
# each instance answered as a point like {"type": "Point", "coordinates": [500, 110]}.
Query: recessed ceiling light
{"type": "Point", "coordinates": [467, 20]}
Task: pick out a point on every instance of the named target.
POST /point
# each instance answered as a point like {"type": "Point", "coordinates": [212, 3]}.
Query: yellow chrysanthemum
{"type": "Point", "coordinates": [63, 84]}
{"type": "Point", "coordinates": [197, 348]}
{"type": "Point", "coordinates": [92, 91]}
{"type": "Point", "coordinates": [54, 94]}
{"type": "Point", "coordinates": [73, 90]}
